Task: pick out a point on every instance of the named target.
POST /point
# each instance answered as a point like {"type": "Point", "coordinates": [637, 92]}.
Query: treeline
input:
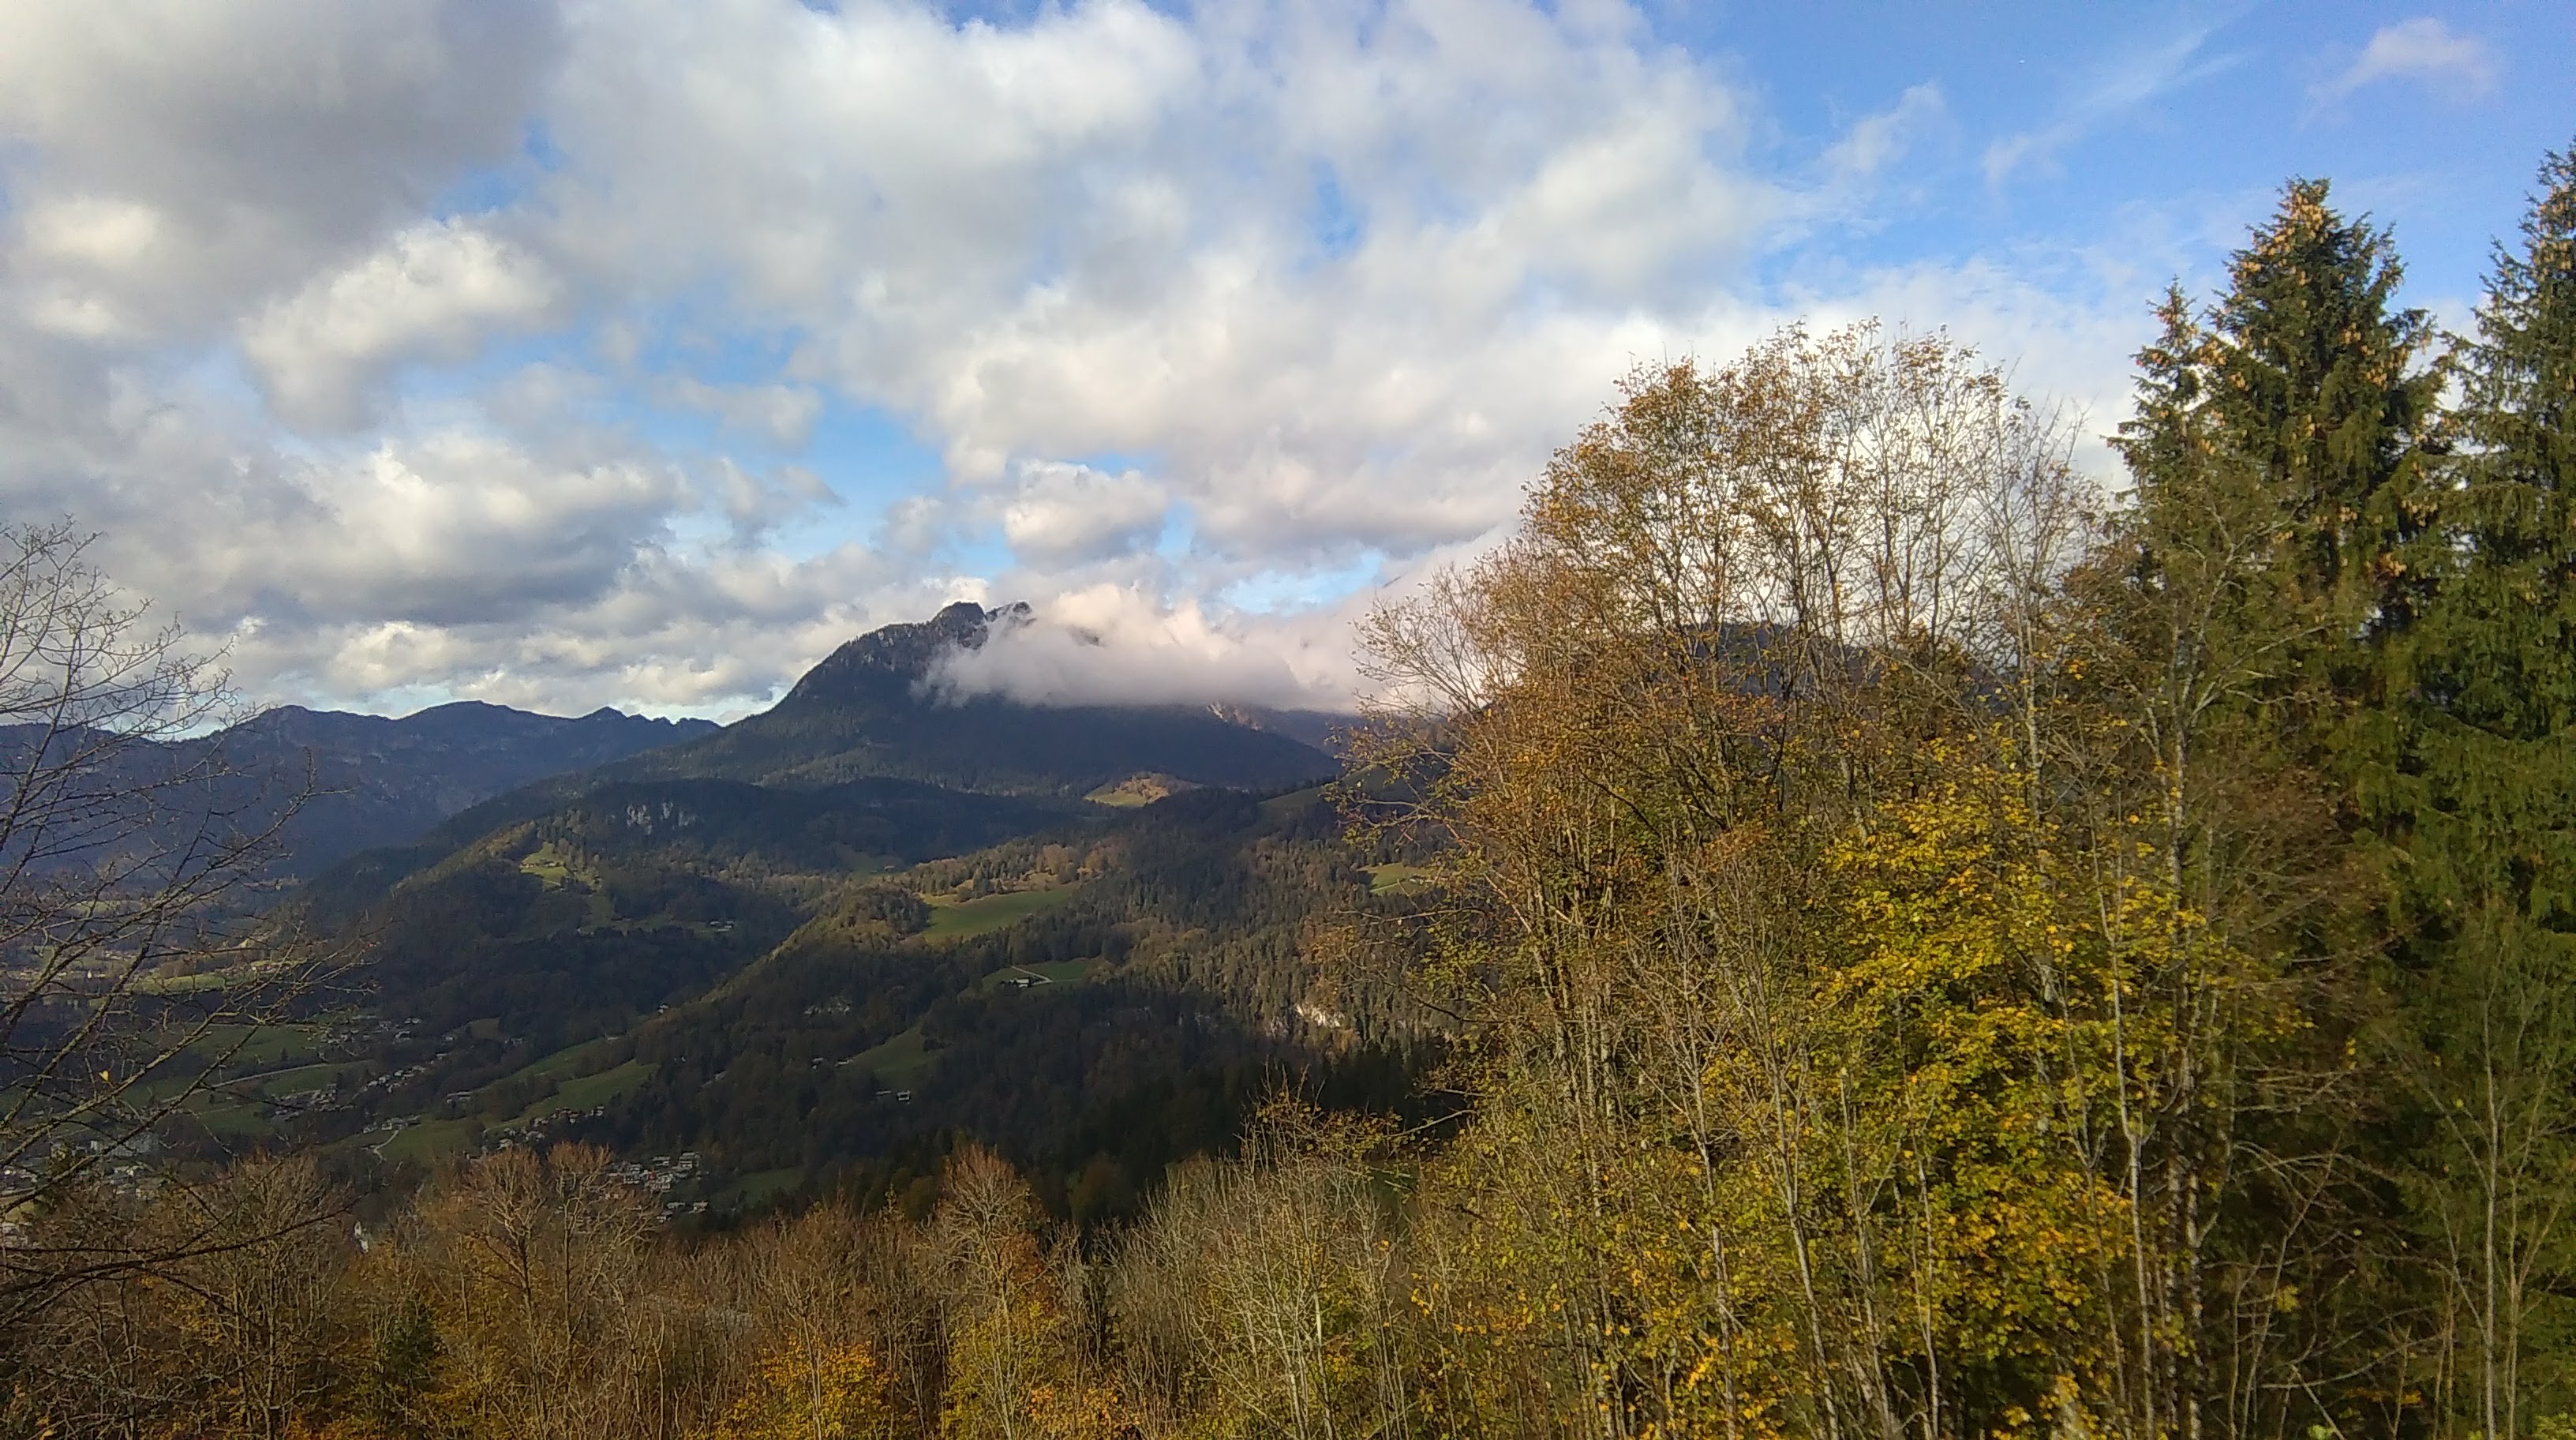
{"type": "Point", "coordinates": [531, 1295]}
{"type": "Point", "coordinates": [1924, 948]}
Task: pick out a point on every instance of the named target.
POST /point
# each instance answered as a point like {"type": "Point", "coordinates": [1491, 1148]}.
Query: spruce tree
{"type": "Point", "coordinates": [2203, 536]}
{"type": "Point", "coordinates": [2502, 660]}
{"type": "Point", "coordinates": [2480, 817]}
{"type": "Point", "coordinates": [2278, 452]}
{"type": "Point", "coordinates": [2316, 380]}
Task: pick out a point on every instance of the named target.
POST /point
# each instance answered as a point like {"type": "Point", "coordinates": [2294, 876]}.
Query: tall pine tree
{"type": "Point", "coordinates": [2278, 453]}
{"type": "Point", "coordinates": [2317, 380]}
{"type": "Point", "coordinates": [2480, 816]}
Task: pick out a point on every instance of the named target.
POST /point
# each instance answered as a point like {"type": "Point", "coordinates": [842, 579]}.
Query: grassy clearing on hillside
{"type": "Point", "coordinates": [226, 1116]}
{"type": "Point", "coordinates": [1292, 802]}
{"type": "Point", "coordinates": [899, 1061]}
{"type": "Point", "coordinates": [556, 871]}
{"type": "Point", "coordinates": [1396, 879]}
{"type": "Point", "coordinates": [562, 1064]}
{"type": "Point", "coordinates": [1137, 791]}
{"type": "Point", "coordinates": [548, 865]}
{"type": "Point", "coordinates": [262, 1048]}
{"type": "Point", "coordinates": [239, 1101]}
{"type": "Point", "coordinates": [959, 919]}
{"type": "Point", "coordinates": [261, 1045]}
{"type": "Point", "coordinates": [427, 1142]}
{"type": "Point", "coordinates": [1052, 972]}
{"type": "Point", "coordinates": [1120, 799]}
{"type": "Point", "coordinates": [589, 1090]}
{"type": "Point", "coordinates": [570, 1089]}
{"type": "Point", "coordinates": [302, 1077]}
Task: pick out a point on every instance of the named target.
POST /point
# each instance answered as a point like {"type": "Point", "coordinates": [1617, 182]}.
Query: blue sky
{"type": "Point", "coordinates": [2179, 117]}
{"type": "Point", "coordinates": [639, 352]}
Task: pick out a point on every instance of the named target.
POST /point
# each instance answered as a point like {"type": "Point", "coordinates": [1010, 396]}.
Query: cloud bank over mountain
{"type": "Point", "coordinates": [1111, 645]}
{"type": "Point", "coordinates": [569, 354]}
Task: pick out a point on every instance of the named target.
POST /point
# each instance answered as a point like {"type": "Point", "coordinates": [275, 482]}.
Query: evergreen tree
{"type": "Point", "coordinates": [2277, 453]}
{"type": "Point", "coordinates": [2210, 600]}
{"type": "Point", "coordinates": [2480, 810]}
{"type": "Point", "coordinates": [2504, 664]}
{"type": "Point", "coordinates": [2314, 378]}
{"type": "Point", "coordinates": [2167, 437]}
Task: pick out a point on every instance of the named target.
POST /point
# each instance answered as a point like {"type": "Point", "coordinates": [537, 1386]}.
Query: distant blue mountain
{"type": "Point", "coordinates": [375, 781]}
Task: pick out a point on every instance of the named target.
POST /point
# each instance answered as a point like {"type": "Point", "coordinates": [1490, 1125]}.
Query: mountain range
{"type": "Point", "coordinates": [376, 781]}
{"type": "Point", "coordinates": [1079, 931]}
{"type": "Point", "coordinates": [325, 784]}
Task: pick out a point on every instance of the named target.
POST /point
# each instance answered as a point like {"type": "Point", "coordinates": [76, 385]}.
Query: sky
{"type": "Point", "coordinates": [576, 354]}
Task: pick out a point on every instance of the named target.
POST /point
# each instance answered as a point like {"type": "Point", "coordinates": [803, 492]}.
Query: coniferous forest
{"type": "Point", "coordinates": [1849, 925]}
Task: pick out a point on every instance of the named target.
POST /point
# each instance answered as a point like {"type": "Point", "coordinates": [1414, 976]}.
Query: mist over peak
{"type": "Point", "coordinates": [1114, 649]}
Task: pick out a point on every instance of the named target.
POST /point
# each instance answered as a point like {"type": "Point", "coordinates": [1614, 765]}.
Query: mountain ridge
{"type": "Point", "coordinates": [383, 780]}
{"type": "Point", "coordinates": [867, 712]}
{"type": "Point", "coordinates": [870, 708]}
{"type": "Point", "coordinates": [333, 783]}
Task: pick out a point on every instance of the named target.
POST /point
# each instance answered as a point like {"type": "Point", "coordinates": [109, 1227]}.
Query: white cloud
{"type": "Point", "coordinates": [175, 162]}
{"type": "Point", "coordinates": [1101, 256]}
{"type": "Point", "coordinates": [1118, 645]}
{"type": "Point", "coordinates": [1877, 141]}
{"type": "Point", "coordinates": [90, 232]}
{"type": "Point", "coordinates": [2135, 78]}
{"type": "Point", "coordinates": [758, 501]}
{"type": "Point", "coordinates": [431, 291]}
{"type": "Point", "coordinates": [556, 571]}
{"type": "Point", "coordinates": [712, 634]}
{"type": "Point", "coordinates": [2423, 50]}
{"type": "Point", "coordinates": [1332, 280]}
{"type": "Point", "coordinates": [783, 414]}
{"type": "Point", "coordinates": [1062, 512]}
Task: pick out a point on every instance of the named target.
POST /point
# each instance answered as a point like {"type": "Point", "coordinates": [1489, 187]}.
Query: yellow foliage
{"type": "Point", "coordinates": [798, 1392]}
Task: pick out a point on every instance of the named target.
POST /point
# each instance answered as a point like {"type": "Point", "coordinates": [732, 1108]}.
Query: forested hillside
{"type": "Point", "coordinates": [1842, 926]}
{"type": "Point", "coordinates": [383, 782]}
{"type": "Point", "coordinates": [708, 967]}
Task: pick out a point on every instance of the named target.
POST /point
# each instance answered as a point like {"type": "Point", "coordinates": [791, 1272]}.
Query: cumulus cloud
{"type": "Point", "coordinates": [432, 291]}
{"type": "Point", "coordinates": [559, 570]}
{"type": "Point", "coordinates": [2423, 50]}
{"type": "Point", "coordinates": [171, 160]}
{"type": "Point", "coordinates": [784, 414]}
{"type": "Point", "coordinates": [1061, 512]}
{"type": "Point", "coordinates": [1063, 240]}
{"type": "Point", "coordinates": [715, 634]}
{"type": "Point", "coordinates": [1177, 297]}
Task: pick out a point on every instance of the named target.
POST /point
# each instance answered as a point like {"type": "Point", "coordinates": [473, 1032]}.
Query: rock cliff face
{"type": "Point", "coordinates": [887, 663]}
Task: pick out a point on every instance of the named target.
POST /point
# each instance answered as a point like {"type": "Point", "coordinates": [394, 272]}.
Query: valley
{"type": "Point", "coordinates": [818, 949]}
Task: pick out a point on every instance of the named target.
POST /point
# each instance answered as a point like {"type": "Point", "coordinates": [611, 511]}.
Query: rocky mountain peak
{"type": "Point", "coordinates": [898, 655]}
